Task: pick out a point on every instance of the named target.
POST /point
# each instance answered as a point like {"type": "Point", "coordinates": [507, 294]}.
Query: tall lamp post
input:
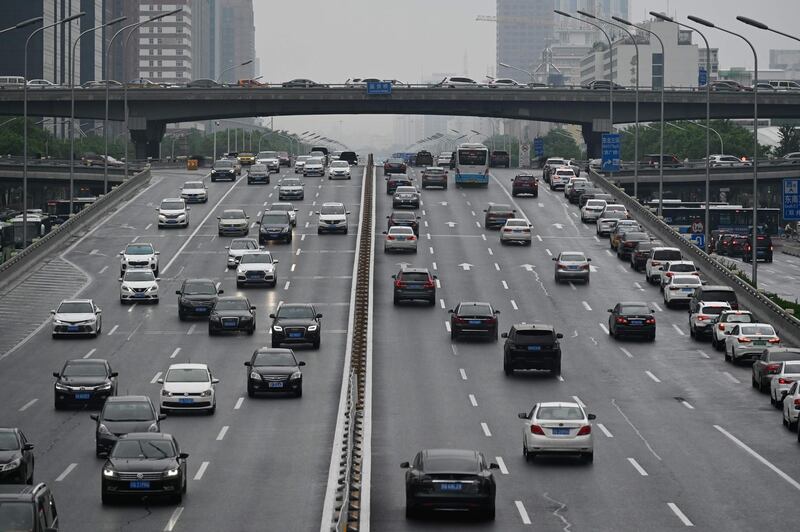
{"type": "Point", "coordinates": [25, 116]}
{"type": "Point", "coordinates": [216, 123]}
{"type": "Point", "coordinates": [512, 67]}
{"type": "Point", "coordinates": [755, 138]}
{"type": "Point", "coordinates": [708, 121]}
{"type": "Point", "coordinates": [72, 107]}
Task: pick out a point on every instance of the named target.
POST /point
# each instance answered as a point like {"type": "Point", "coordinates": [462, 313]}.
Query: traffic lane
{"type": "Point", "coordinates": [779, 276]}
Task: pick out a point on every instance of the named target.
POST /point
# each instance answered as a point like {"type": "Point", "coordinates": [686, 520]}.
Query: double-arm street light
{"type": "Point", "coordinates": [225, 71]}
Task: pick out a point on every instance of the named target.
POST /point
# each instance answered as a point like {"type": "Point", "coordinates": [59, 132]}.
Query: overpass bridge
{"type": "Point", "coordinates": [150, 110]}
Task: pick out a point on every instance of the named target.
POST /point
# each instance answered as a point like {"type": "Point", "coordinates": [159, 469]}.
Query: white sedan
{"type": "Point", "coordinates": [727, 319]}
{"type": "Point", "coordinates": [400, 238]}
{"type": "Point", "coordinates": [516, 230]}
{"type": "Point", "coordinates": [138, 284]}
{"type": "Point", "coordinates": [748, 340]}
{"type": "Point", "coordinates": [788, 373]}
{"type": "Point", "coordinates": [557, 428]}
{"type": "Point", "coordinates": [680, 289]}
{"type": "Point", "coordinates": [77, 316]}
{"type": "Point", "coordinates": [791, 406]}
{"type": "Point", "coordinates": [188, 387]}
{"type": "Point", "coordinates": [339, 170]}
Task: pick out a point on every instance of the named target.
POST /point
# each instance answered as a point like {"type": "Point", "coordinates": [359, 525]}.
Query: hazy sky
{"type": "Point", "coordinates": [330, 41]}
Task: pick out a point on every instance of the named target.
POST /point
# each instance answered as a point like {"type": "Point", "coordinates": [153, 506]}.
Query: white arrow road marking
{"type": "Point", "coordinates": [465, 266]}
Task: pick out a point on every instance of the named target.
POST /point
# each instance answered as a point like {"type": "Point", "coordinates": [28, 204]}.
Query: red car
{"type": "Point", "coordinates": [394, 166]}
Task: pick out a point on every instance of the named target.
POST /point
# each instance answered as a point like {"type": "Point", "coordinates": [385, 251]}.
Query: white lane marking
{"type": "Point", "coordinates": [638, 433]}
{"type": "Point", "coordinates": [148, 226]}
{"type": "Point", "coordinates": [539, 238]}
{"type": "Point", "coordinates": [578, 400]}
{"type": "Point", "coordinates": [428, 236]}
{"type": "Point", "coordinates": [447, 326]}
{"type": "Point", "coordinates": [155, 378]}
{"type": "Point", "coordinates": [751, 452]}
{"type": "Point", "coordinates": [298, 252]}
{"type": "Point", "coordinates": [677, 511]}
{"type": "Point", "coordinates": [655, 306]}
{"type": "Point", "coordinates": [94, 252]}
{"type": "Point", "coordinates": [597, 238]}
{"type": "Point", "coordinates": [478, 224]}
{"type": "Point", "coordinates": [678, 329]}
{"type": "Point", "coordinates": [483, 236]}
{"type": "Point", "coordinates": [523, 513]}
{"type": "Point", "coordinates": [286, 286]}
{"type": "Point", "coordinates": [514, 305]}
{"type": "Point", "coordinates": [423, 212]}
{"type": "Point", "coordinates": [66, 472]}
{"type": "Point", "coordinates": [502, 464]}
{"type": "Point", "coordinates": [441, 303]}
{"type": "Point", "coordinates": [253, 224]}
{"type": "Point", "coordinates": [431, 250]}
{"type": "Point", "coordinates": [302, 237]}
{"type": "Point", "coordinates": [731, 377]}
{"type": "Point", "coordinates": [425, 222]}
{"type": "Point", "coordinates": [637, 285]}
{"type": "Point", "coordinates": [222, 432]}
{"type": "Point", "coordinates": [311, 213]}
{"type": "Point", "coordinates": [505, 284]}
{"type": "Point", "coordinates": [306, 226]}
{"type": "Point", "coordinates": [703, 353]}
{"type": "Point", "coordinates": [627, 353]}
{"type": "Point", "coordinates": [201, 471]}
{"type": "Point", "coordinates": [609, 253]}
{"type": "Point", "coordinates": [238, 404]}
{"type": "Point", "coordinates": [572, 285]}
{"type": "Point", "coordinates": [175, 353]}
{"type": "Point", "coordinates": [650, 374]}
{"type": "Point", "coordinates": [472, 400]}
{"type": "Point", "coordinates": [453, 349]}
{"type": "Point", "coordinates": [173, 520]}
{"type": "Point", "coordinates": [114, 328]}
{"type": "Point", "coordinates": [473, 213]}
{"type": "Point", "coordinates": [486, 431]}
{"type": "Point", "coordinates": [496, 266]}
{"type": "Point", "coordinates": [687, 405]}
{"type": "Point", "coordinates": [549, 253]}
{"type": "Point", "coordinates": [434, 266]}
{"type": "Point", "coordinates": [637, 467]}
{"type": "Point", "coordinates": [90, 353]}
{"type": "Point", "coordinates": [191, 329]}
{"type": "Point", "coordinates": [28, 405]}
{"type": "Point", "coordinates": [541, 205]}
{"type": "Point", "coordinates": [103, 269]}
{"type": "Point", "coordinates": [293, 267]}
{"type": "Point", "coordinates": [586, 306]}
{"type": "Point", "coordinates": [605, 430]}
{"type": "Point", "coordinates": [560, 378]}
{"type": "Point", "coordinates": [469, 204]}
{"type": "Point", "coordinates": [462, 373]}
{"type": "Point", "coordinates": [130, 308]}
{"type": "Point", "coordinates": [438, 283]}
{"type": "Point", "coordinates": [602, 326]}
{"type": "Point", "coordinates": [490, 251]}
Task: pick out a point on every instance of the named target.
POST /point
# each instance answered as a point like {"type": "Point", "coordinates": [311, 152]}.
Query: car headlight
{"type": "Point", "coordinates": [256, 376]}
{"type": "Point", "coordinates": [277, 328]}
{"type": "Point", "coordinates": [173, 472]}
{"type": "Point", "coordinates": [285, 230]}
{"type": "Point", "coordinates": [296, 375]}
{"type": "Point", "coordinates": [108, 472]}
{"type": "Point", "coordinates": [62, 387]}
{"type": "Point", "coordinates": [102, 429]}
{"type": "Point", "coordinates": [58, 322]}
{"type": "Point", "coordinates": [312, 328]}
{"type": "Point", "coordinates": [103, 387]}
{"type": "Point", "coordinates": [162, 218]}
{"type": "Point", "coordinates": [126, 288]}
{"type": "Point", "coordinates": [13, 464]}
{"type": "Point", "coordinates": [153, 427]}
{"type": "Point", "coordinates": [153, 288]}
{"type": "Point", "coordinates": [206, 393]}
{"type": "Point", "coordinates": [165, 393]}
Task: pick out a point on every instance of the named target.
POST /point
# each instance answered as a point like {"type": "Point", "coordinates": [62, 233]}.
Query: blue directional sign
{"type": "Point", "coordinates": [538, 147]}
{"type": "Point", "coordinates": [698, 239]}
{"type": "Point", "coordinates": [702, 77]}
{"type": "Point", "coordinates": [791, 199]}
{"type": "Point", "coordinates": [611, 152]}
{"type": "Point", "coordinates": [379, 87]}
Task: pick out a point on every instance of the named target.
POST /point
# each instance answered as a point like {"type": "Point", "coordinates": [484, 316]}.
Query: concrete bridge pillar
{"type": "Point", "coordinates": [147, 139]}
{"type": "Point", "coordinates": [593, 140]}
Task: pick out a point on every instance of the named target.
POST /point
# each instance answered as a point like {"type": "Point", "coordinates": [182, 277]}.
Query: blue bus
{"type": "Point", "coordinates": [472, 165]}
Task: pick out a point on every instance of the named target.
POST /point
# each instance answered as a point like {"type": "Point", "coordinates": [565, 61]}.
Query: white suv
{"type": "Point", "coordinates": [339, 169]}
{"type": "Point", "coordinates": [332, 218]}
{"type": "Point", "coordinates": [560, 177]}
{"type": "Point", "coordinates": [188, 387]}
{"type": "Point", "coordinates": [138, 255]}
{"type": "Point", "coordinates": [677, 267]}
{"type": "Point", "coordinates": [591, 211]}
{"type": "Point", "coordinates": [173, 212]}
{"type": "Point", "coordinates": [658, 256]}
{"type": "Point", "coordinates": [194, 192]}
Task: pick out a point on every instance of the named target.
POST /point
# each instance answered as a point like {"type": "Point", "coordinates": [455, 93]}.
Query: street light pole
{"type": "Point", "coordinates": [762, 26]}
{"type": "Point", "coordinates": [216, 122]}
{"type": "Point", "coordinates": [512, 67]}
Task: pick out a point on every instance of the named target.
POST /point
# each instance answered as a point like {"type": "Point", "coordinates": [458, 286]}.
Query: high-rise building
{"type": "Point", "coordinates": [203, 38]}
{"type": "Point", "coordinates": [165, 53]}
{"type": "Point", "coordinates": [785, 60]}
{"type": "Point", "coordinates": [235, 40]}
{"type": "Point", "coordinates": [524, 29]}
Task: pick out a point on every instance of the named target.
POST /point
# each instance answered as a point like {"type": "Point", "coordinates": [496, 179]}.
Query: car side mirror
{"type": "Point", "coordinates": [160, 381]}
{"type": "Point", "coordinates": [611, 310]}
{"type": "Point", "coordinates": [388, 217]}
{"type": "Point", "coordinates": [784, 393]}
{"type": "Point", "coordinates": [94, 416]}
{"type": "Point", "coordinates": [554, 258]}
{"type": "Point", "coordinates": [162, 417]}
{"type": "Point", "coordinates": [214, 381]}
{"type": "Point", "coordinates": [248, 363]}
{"type": "Point", "coordinates": [523, 415]}
{"type": "Point", "coordinates": [301, 363]}
{"type": "Point", "coordinates": [27, 447]}
{"type": "Point", "coordinates": [494, 466]}
{"type": "Point", "coordinates": [588, 260]}
{"type": "Point", "coordinates": [319, 316]}
{"type": "Point", "coordinates": [592, 417]}
{"type": "Point", "coordinates": [651, 311]}
{"type": "Point", "coordinates": [177, 292]}
{"type": "Point", "coordinates": [727, 333]}
{"type": "Point", "coordinates": [183, 456]}
{"type": "Point", "coordinates": [114, 374]}
{"type": "Point", "coordinates": [56, 374]}
{"type": "Point", "coordinates": [220, 291]}
{"type": "Point", "coordinates": [405, 465]}
{"type": "Point", "coordinates": [559, 335]}
{"type": "Point", "coordinates": [219, 218]}
{"type": "Point", "coordinates": [451, 311]}
{"type": "Point", "coordinates": [385, 233]}
{"type": "Point", "coordinates": [316, 212]}
{"type": "Point", "coordinates": [121, 252]}
{"type": "Point", "coordinates": [120, 279]}
{"type": "Point", "coordinates": [272, 316]}
{"type": "Point", "coordinates": [497, 312]}
{"type": "Point", "coordinates": [504, 335]}
{"type": "Point", "coordinates": [435, 276]}
{"type": "Point", "coordinates": [394, 277]}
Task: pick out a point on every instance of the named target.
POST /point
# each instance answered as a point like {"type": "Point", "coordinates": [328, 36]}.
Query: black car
{"type": "Point", "coordinates": [449, 479]}
{"type": "Point", "coordinates": [653, 160]}
{"type": "Point", "coordinates": [722, 243]}
{"type": "Point", "coordinates": [144, 464]}
{"type": "Point", "coordinates": [84, 382]}
{"type": "Point", "coordinates": [397, 180]}
{"type": "Point", "coordinates": [350, 156]}
{"type": "Point", "coordinates": [16, 458]}
{"type": "Point", "coordinates": [640, 253]}
{"type": "Point", "coordinates": [405, 219]}
{"type": "Point", "coordinates": [497, 214]}
{"type": "Point", "coordinates": [499, 158]}
{"type": "Point", "coordinates": [121, 415]}
{"type": "Point", "coordinates": [532, 346]}
{"type": "Point", "coordinates": [414, 284]}
{"type": "Point", "coordinates": [629, 241]}
{"type": "Point", "coordinates": [604, 85]}
{"type": "Point", "coordinates": [203, 83]}
{"type": "Point", "coordinates": [713, 292]}
{"type": "Point", "coordinates": [632, 318]}
{"type": "Point", "coordinates": [28, 508]}
{"type": "Point", "coordinates": [258, 173]}
{"type": "Point", "coordinates": [763, 248]}
{"type": "Point", "coordinates": [434, 176]}
{"type": "Point", "coordinates": [232, 314]}
{"type": "Point", "coordinates": [301, 83]}
{"type": "Point", "coordinates": [734, 246]}
{"type": "Point", "coordinates": [296, 323]}
{"type": "Point", "coordinates": [473, 319]}
{"type": "Point", "coordinates": [275, 225]}
{"type": "Point", "coordinates": [405, 197]}
{"type": "Point", "coordinates": [424, 158]}
{"type": "Point", "coordinates": [274, 371]}
{"type": "Point", "coordinates": [394, 166]}
{"type": "Point", "coordinates": [223, 169]}
{"type": "Point", "coordinates": [525, 184]}
{"type": "Point", "coordinates": [196, 297]}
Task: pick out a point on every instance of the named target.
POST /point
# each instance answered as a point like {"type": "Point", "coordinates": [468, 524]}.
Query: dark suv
{"type": "Point", "coordinates": [525, 184]}
{"type": "Point", "coordinates": [296, 323]}
{"type": "Point", "coordinates": [434, 176]}
{"type": "Point", "coordinates": [532, 346]}
{"type": "Point", "coordinates": [16, 458]}
{"type": "Point", "coordinates": [497, 214]}
{"type": "Point", "coordinates": [763, 248]}
{"type": "Point", "coordinates": [197, 297]}
{"type": "Point", "coordinates": [713, 293]}
{"type": "Point", "coordinates": [275, 225]}
{"type": "Point", "coordinates": [411, 284]}
{"type": "Point", "coordinates": [499, 158]}
{"type": "Point", "coordinates": [29, 508]}
{"type": "Point", "coordinates": [653, 160]}
{"type": "Point", "coordinates": [424, 158]}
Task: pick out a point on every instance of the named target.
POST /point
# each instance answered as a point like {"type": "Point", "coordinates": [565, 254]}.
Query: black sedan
{"type": "Point", "coordinates": [144, 464]}
{"type": "Point", "coordinates": [84, 382]}
{"type": "Point", "coordinates": [450, 479]}
{"type": "Point", "coordinates": [196, 297]}
{"type": "Point", "coordinates": [274, 371]}
{"type": "Point", "coordinates": [497, 214]}
{"type": "Point", "coordinates": [232, 314]}
{"type": "Point", "coordinates": [473, 319]}
{"type": "Point", "coordinates": [629, 241]}
{"type": "Point", "coordinates": [296, 323]}
{"type": "Point", "coordinates": [16, 457]}
{"type": "Point", "coordinates": [275, 225]}
{"type": "Point", "coordinates": [405, 219]}
{"type": "Point", "coordinates": [632, 318]}
{"type": "Point", "coordinates": [124, 414]}
{"type": "Point", "coordinates": [397, 180]}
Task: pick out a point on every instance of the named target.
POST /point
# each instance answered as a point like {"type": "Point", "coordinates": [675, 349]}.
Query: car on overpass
{"type": "Point", "coordinates": [301, 83]}
{"type": "Point", "coordinates": [604, 85]}
{"type": "Point", "coordinates": [203, 83]}
{"type": "Point", "coordinates": [653, 160]}
{"type": "Point", "coordinates": [453, 82]}
{"type": "Point", "coordinates": [730, 161]}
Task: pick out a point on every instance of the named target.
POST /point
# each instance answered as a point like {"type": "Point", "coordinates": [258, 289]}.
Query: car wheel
{"type": "Point", "coordinates": [784, 420]}
{"type": "Point", "coordinates": [411, 511]}
{"type": "Point", "coordinates": [396, 300]}
{"type": "Point", "coordinates": [299, 392]}
{"type": "Point", "coordinates": [727, 356]}
{"type": "Point", "coordinates": [792, 425]}
{"type": "Point", "coordinates": [211, 332]}
{"type": "Point", "coordinates": [317, 343]}
{"type": "Point", "coordinates": [250, 392]}
{"type": "Point", "coordinates": [772, 400]}
{"type": "Point", "coordinates": [181, 316]}
{"type": "Point", "coordinates": [105, 498]}
{"type": "Point", "coordinates": [453, 336]}
{"type": "Point", "coordinates": [556, 370]}
{"type": "Point", "coordinates": [588, 457]}
{"type": "Point", "coordinates": [212, 410]}
{"type": "Point", "coordinates": [275, 344]}
{"type": "Point", "coordinates": [610, 331]}
{"type": "Point", "coordinates": [489, 513]}
{"type": "Point", "coordinates": [252, 330]}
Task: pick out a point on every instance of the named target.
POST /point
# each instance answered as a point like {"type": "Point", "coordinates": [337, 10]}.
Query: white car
{"type": "Point", "coordinates": [791, 407]}
{"type": "Point", "coordinates": [188, 387]}
{"type": "Point", "coordinates": [400, 238]}
{"type": "Point", "coordinates": [676, 267]}
{"type": "Point", "coordinates": [615, 207]}
{"type": "Point", "coordinates": [716, 161]}
{"type": "Point", "coordinates": [725, 322]}
{"type": "Point", "coordinates": [560, 177]}
{"type": "Point", "coordinates": [138, 285]}
{"type": "Point", "coordinates": [701, 321]}
{"type": "Point", "coordinates": [77, 316]}
{"type": "Point", "coordinates": [300, 162]}
{"type": "Point", "coordinates": [573, 181]}
{"type": "Point", "coordinates": [504, 82]}
{"type": "Point", "coordinates": [516, 230]}
{"type": "Point", "coordinates": [233, 222]}
{"type": "Point", "coordinates": [291, 188]}
{"type": "Point", "coordinates": [314, 166]}
{"type": "Point", "coordinates": [332, 218]}
{"type": "Point", "coordinates": [458, 81]}
{"type": "Point", "coordinates": [606, 224]}
{"type": "Point", "coordinates": [173, 212]}
{"type": "Point", "coordinates": [747, 341]}
{"type": "Point", "coordinates": [658, 256]}
{"type": "Point", "coordinates": [238, 247]}
{"type": "Point", "coordinates": [788, 373]}
{"type": "Point", "coordinates": [288, 207]}
{"type": "Point", "coordinates": [138, 255]}
{"type": "Point", "coordinates": [680, 289]}
{"type": "Point", "coordinates": [591, 211]}
{"type": "Point", "coordinates": [194, 192]}
{"type": "Point", "coordinates": [257, 267]}
{"type": "Point", "coordinates": [339, 170]}
{"type": "Point", "coordinates": [269, 159]}
{"type": "Point", "coordinates": [557, 428]}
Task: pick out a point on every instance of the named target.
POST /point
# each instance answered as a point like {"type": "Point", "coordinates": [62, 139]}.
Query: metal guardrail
{"type": "Point", "coordinates": [787, 325]}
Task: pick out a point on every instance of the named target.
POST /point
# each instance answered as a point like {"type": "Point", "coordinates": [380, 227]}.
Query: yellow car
{"type": "Point", "coordinates": [247, 159]}
{"type": "Point", "coordinates": [622, 227]}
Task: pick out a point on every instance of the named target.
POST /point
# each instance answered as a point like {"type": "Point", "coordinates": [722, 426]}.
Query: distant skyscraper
{"type": "Point", "coordinates": [524, 28]}
{"type": "Point", "coordinates": [235, 39]}
{"type": "Point", "coordinates": [165, 53]}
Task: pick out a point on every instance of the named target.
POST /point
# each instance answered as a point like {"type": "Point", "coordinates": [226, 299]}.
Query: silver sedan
{"type": "Point", "coordinates": [400, 238]}
{"type": "Point", "coordinates": [516, 230]}
{"type": "Point", "coordinates": [572, 266]}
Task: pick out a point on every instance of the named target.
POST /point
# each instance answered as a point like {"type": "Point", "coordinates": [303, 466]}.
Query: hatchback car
{"type": "Point", "coordinates": [725, 322]}
{"type": "Point", "coordinates": [257, 267]}
{"type": "Point", "coordinates": [414, 284]}
{"type": "Point", "coordinates": [332, 218]}
{"type": "Point", "coordinates": [194, 192]}
{"type": "Point", "coordinates": [394, 166]}
{"type": "Point", "coordinates": [196, 297]}
{"type": "Point", "coordinates": [747, 341]}
{"type": "Point", "coordinates": [679, 289]}
{"type": "Point", "coordinates": [572, 266]}
{"type": "Point", "coordinates": [140, 285]}
{"type": "Point", "coordinates": [274, 370]}
{"type": "Point", "coordinates": [406, 197]}
{"type": "Point", "coordinates": [270, 159]}
{"type": "Point", "coordinates": [275, 225]}
{"type": "Point", "coordinates": [405, 219]}
{"type": "Point", "coordinates": [173, 212]}
{"type": "Point", "coordinates": [516, 230]}
{"type": "Point", "coordinates": [84, 382]}
{"type": "Point", "coordinates": [562, 428]}
{"type": "Point", "coordinates": [532, 346]}
{"type": "Point", "coordinates": [139, 255]}
{"type": "Point", "coordinates": [232, 314]}
{"type": "Point", "coordinates": [397, 180]}
{"type": "Point", "coordinates": [77, 317]}
{"type": "Point", "coordinates": [497, 214]}
{"type": "Point", "coordinates": [400, 238]}
{"type": "Point", "coordinates": [632, 318]}
{"type": "Point", "coordinates": [785, 375]}
{"type": "Point", "coordinates": [124, 414]}
{"type": "Point", "coordinates": [525, 184]}
{"type": "Point", "coordinates": [703, 315]}
{"type": "Point", "coordinates": [188, 387]}
{"type": "Point", "coordinates": [434, 176]}
{"type": "Point", "coordinates": [238, 247]}
{"type": "Point", "coordinates": [607, 221]}
{"type": "Point", "coordinates": [291, 188]}
{"type": "Point", "coordinates": [449, 479]}
{"type": "Point", "coordinates": [767, 364]}
{"type": "Point", "coordinates": [258, 173]}
{"type": "Point", "coordinates": [474, 319]}
{"type": "Point", "coordinates": [225, 169]}
{"type": "Point", "coordinates": [16, 459]}
{"type": "Point", "coordinates": [296, 324]}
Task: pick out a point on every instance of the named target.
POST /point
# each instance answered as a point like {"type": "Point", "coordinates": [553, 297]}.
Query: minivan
{"type": "Point", "coordinates": [12, 82]}
{"type": "Point", "coordinates": [350, 156]}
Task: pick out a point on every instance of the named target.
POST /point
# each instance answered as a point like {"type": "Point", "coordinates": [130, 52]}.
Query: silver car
{"type": "Point", "coordinates": [233, 222]}
{"type": "Point", "coordinates": [591, 211]}
{"type": "Point", "coordinates": [139, 284]}
{"type": "Point", "coordinates": [747, 341]}
{"type": "Point", "coordinates": [291, 188]}
{"type": "Point", "coordinates": [516, 230]}
{"type": "Point", "coordinates": [400, 238]}
{"type": "Point", "coordinates": [238, 247]}
{"type": "Point", "coordinates": [557, 428]}
{"type": "Point", "coordinates": [787, 373]}
{"type": "Point", "coordinates": [572, 266]}
{"type": "Point", "coordinates": [194, 192]}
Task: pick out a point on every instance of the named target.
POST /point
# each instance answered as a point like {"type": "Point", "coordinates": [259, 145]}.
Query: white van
{"type": "Point", "coordinates": [785, 85]}
{"type": "Point", "coordinates": [12, 82]}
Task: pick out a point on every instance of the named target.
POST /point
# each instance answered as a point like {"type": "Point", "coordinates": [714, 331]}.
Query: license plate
{"type": "Point", "coordinates": [636, 322]}
{"type": "Point", "coordinates": [83, 396]}
{"type": "Point", "coordinates": [72, 328]}
{"type": "Point", "coordinates": [400, 238]}
{"type": "Point", "coordinates": [295, 335]}
{"type": "Point", "coordinates": [688, 290]}
{"type": "Point", "coordinates": [560, 432]}
{"type": "Point", "coordinates": [534, 348]}
{"type": "Point", "coordinates": [138, 295]}
{"type": "Point", "coordinates": [275, 385]}
{"type": "Point", "coordinates": [516, 230]}
{"type": "Point", "coordinates": [185, 400]}
{"type": "Point", "coordinates": [415, 286]}
{"type": "Point", "coordinates": [200, 309]}
{"type": "Point", "coordinates": [474, 322]}
{"type": "Point", "coordinates": [572, 267]}
{"type": "Point", "coordinates": [229, 324]}
{"type": "Point", "coordinates": [759, 342]}
{"type": "Point", "coordinates": [451, 486]}
{"type": "Point", "coordinates": [172, 221]}
{"type": "Point", "coordinates": [140, 484]}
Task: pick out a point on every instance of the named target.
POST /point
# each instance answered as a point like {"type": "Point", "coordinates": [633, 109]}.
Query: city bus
{"type": "Point", "coordinates": [39, 224]}
{"type": "Point", "coordinates": [472, 165]}
{"type": "Point", "coordinates": [7, 244]}
{"type": "Point", "coordinates": [722, 217]}
{"type": "Point", "coordinates": [58, 210]}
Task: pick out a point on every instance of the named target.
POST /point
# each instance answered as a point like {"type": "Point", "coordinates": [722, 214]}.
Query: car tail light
{"type": "Point", "coordinates": [389, 237]}
{"type": "Point", "coordinates": [772, 368]}
{"type": "Point", "coordinates": [412, 237]}
{"type": "Point", "coordinates": [674, 288]}
{"type": "Point", "coordinates": [506, 230]}
{"type": "Point", "coordinates": [744, 340]}
{"type": "Point", "coordinates": [782, 380]}
{"type": "Point", "coordinates": [585, 430]}
{"type": "Point", "coordinates": [669, 274]}
{"type": "Point", "coordinates": [621, 320]}
{"type": "Point", "coordinates": [457, 319]}
{"type": "Point", "coordinates": [399, 284]}
{"type": "Point", "coordinates": [703, 317]}
{"type": "Point", "coordinates": [526, 230]}
{"type": "Point", "coordinates": [650, 321]}
{"type": "Point", "coordinates": [536, 429]}
{"type": "Point", "coordinates": [797, 403]}
{"type": "Point", "coordinates": [492, 319]}
{"type": "Point", "coordinates": [584, 266]}
{"type": "Point", "coordinates": [428, 284]}
{"type": "Point", "coordinates": [721, 326]}
{"type": "Point", "coordinates": [770, 248]}
{"type": "Point", "coordinates": [774, 340]}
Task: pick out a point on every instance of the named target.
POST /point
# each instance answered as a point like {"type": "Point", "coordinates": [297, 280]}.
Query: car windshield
{"type": "Point", "coordinates": [277, 218]}
{"type": "Point", "coordinates": [340, 164]}
{"type": "Point", "coordinates": [474, 309]}
{"type": "Point", "coordinates": [739, 318]}
{"type": "Point", "coordinates": [155, 449]}
{"type": "Point", "coordinates": [244, 244]}
{"type": "Point", "coordinates": [16, 516]}
{"type": "Point", "coordinates": [258, 168]}
{"type": "Point", "coordinates": [763, 330]}
{"type": "Point", "coordinates": [76, 307]}
{"type": "Point", "coordinates": [233, 215]}
{"type": "Point", "coordinates": [451, 464]}
{"type": "Point", "coordinates": [472, 157]}
{"type": "Point", "coordinates": [256, 258]}
{"type": "Point", "coordinates": [516, 223]}
{"type": "Point", "coordinates": [172, 206]}
{"type": "Point", "coordinates": [613, 215]}
{"type": "Point", "coordinates": [634, 309]}
{"type": "Point", "coordinates": [195, 288]}
{"type": "Point", "coordinates": [719, 295]}
{"type": "Point", "coordinates": [636, 235]}
{"type": "Point", "coordinates": [274, 359]}
{"type": "Point", "coordinates": [8, 441]}
{"type": "Point", "coordinates": [302, 158]}
{"type": "Point", "coordinates": [682, 268]}
{"type": "Point", "coordinates": [686, 279]}
{"type": "Point", "coordinates": [538, 336]}
{"type": "Point", "coordinates": [791, 367]}
{"type": "Point", "coordinates": [332, 209]}
{"type": "Point", "coordinates": [193, 184]}
{"type": "Point", "coordinates": [187, 375]}
{"type": "Point", "coordinates": [406, 190]}
{"type": "Point", "coordinates": [139, 275]}
{"type": "Point", "coordinates": [573, 257]}
{"type": "Point", "coordinates": [281, 207]}
{"type": "Point", "coordinates": [84, 370]}
{"type": "Point", "coordinates": [139, 249]}
{"type": "Point", "coordinates": [314, 160]}
{"type": "Point", "coordinates": [499, 208]}
{"type": "Point", "coordinates": [596, 203]}
{"type": "Point", "coordinates": [559, 412]}
{"type": "Point", "coordinates": [295, 312]}
{"type": "Point", "coordinates": [267, 155]}
{"type": "Point", "coordinates": [555, 162]}
{"type": "Point", "coordinates": [289, 182]}
{"type": "Point", "coordinates": [232, 304]}
{"type": "Point", "coordinates": [224, 164]}
{"type": "Point", "coordinates": [127, 411]}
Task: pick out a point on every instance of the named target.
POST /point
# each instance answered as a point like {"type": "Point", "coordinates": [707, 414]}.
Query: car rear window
{"type": "Point", "coordinates": [792, 367]}
{"type": "Point", "coordinates": [686, 279]}
{"type": "Point", "coordinates": [741, 318]}
{"type": "Point", "coordinates": [524, 178]}
{"type": "Point", "coordinates": [414, 277]}
{"type": "Point", "coordinates": [636, 235]}
{"type": "Point", "coordinates": [634, 309]}
{"type": "Point", "coordinates": [667, 254]}
{"type": "Point", "coordinates": [719, 295]}
{"type": "Point", "coordinates": [541, 337]}
{"type": "Point", "coordinates": [474, 310]}
{"type": "Point", "coordinates": [451, 464]}
{"type": "Point", "coordinates": [572, 257]}
{"type": "Point", "coordinates": [559, 412]}
{"type": "Point", "coordinates": [713, 310]}
{"type": "Point", "coordinates": [404, 216]}
{"type": "Point", "coordinates": [765, 330]}
{"type": "Point", "coordinates": [682, 268]}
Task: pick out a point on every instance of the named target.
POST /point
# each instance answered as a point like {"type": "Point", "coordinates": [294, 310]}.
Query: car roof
{"type": "Point", "coordinates": [663, 248]}
{"type": "Point", "coordinates": [414, 270]}
{"type": "Point", "coordinates": [559, 403]}
{"type": "Point", "coordinates": [238, 298]}
{"type": "Point", "coordinates": [332, 204]}
{"type": "Point", "coordinates": [172, 199]}
{"type": "Point", "coordinates": [450, 453]}
{"type": "Point", "coordinates": [76, 301]}
{"type": "Point", "coordinates": [401, 229]}
{"type": "Point", "coordinates": [146, 436]}
{"type": "Point", "coordinates": [296, 305]}
{"type": "Point", "coordinates": [128, 398]}
{"type": "Point", "coordinates": [531, 326]}
{"type": "Point", "coordinates": [185, 365]}
{"type": "Point", "coordinates": [86, 362]}
{"type": "Point", "coordinates": [198, 280]}
{"type": "Point", "coordinates": [19, 492]}
{"type": "Point", "coordinates": [710, 287]}
{"type": "Point", "coordinates": [715, 304]}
